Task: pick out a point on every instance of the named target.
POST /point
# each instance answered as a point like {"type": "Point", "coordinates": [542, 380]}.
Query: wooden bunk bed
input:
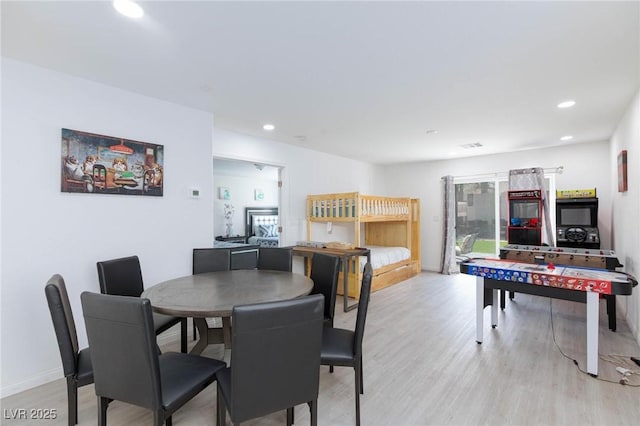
{"type": "Point", "coordinates": [387, 222]}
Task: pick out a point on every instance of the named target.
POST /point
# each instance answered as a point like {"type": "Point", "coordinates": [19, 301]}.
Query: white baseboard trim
{"type": "Point", "coordinates": [169, 336]}
{"type": "Point", "coordinates": [32, 382]}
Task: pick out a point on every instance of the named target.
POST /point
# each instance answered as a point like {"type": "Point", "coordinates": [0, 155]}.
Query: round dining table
{"type": "Point", "coordinates": [214, 294]}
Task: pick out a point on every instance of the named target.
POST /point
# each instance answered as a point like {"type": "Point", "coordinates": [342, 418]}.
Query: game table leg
{"type": "Point", "coordinates": [494, 308]}
{"type": "Point", "coordinates": [479, 308]}
{"type": "Point", "coordinates": [592, 332]}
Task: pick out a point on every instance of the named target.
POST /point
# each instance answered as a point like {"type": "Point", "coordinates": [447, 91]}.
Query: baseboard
{"type": "Point", "coordinates": [32, 382]}
{"type": "Point", "coordinates": [169, 336]}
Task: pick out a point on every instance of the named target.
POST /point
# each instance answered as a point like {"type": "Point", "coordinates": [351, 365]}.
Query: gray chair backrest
{"type": "Point", "coordinates": [123, 349]}
{"type": "Point", "coordinates": [324, 273]}
{"type": "Point", "coordinates": [467, 243]}
{"type": "Point", "coordinates": [363, 307]}
{"type": "Point", "coordinates": [275, 361]}
{"type": "Point", "coordinates": [63, 323]}
{"type": "Point", "coordinates": [121, 277]}
{"type": "Point", "coordinates": [211, 260]}
{"type": "Point", "coordinates": [275, 258]}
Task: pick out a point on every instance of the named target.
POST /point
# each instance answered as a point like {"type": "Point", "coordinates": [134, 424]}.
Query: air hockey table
{"type": "Point", "coordinates": [576, 284]}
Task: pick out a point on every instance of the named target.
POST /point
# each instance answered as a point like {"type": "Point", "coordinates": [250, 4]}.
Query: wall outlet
{"type": "Point", "coordinates": [194, 193]}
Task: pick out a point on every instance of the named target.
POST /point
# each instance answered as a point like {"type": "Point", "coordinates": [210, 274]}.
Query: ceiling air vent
{"type": "Point", "coordinates": [471, 145]}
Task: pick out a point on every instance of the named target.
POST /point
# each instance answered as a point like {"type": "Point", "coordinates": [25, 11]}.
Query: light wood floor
{"type": "Point", "coordinates": [422, 366]}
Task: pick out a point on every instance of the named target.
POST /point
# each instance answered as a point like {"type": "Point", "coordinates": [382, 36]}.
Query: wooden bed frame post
{"type": "Point", "coordinates": [416, 255]}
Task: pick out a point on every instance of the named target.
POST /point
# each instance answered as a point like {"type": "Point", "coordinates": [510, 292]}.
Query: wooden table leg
{"type": "Point", "coordinates": [226, 332]}
{"type": "Point", "coordinates": [208, 336]}
{"type": "Point", "coordinates": [345, 271]}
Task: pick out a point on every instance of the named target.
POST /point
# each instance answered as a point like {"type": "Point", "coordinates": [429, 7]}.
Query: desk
{"type": "Point", "coordinates": [567, 283]}
{"type": "Point", "coordinates": [236, 239]}
{"type": "Point", "coordinates": [343, 254]}
{"type": "Point", "coordinates": [214, 294]}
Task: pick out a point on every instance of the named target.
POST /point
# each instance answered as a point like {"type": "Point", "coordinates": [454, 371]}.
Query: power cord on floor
{"type": "Point", "coordinates": [624, 365]}
{"type": "Point", "coordinates": [609, 358]}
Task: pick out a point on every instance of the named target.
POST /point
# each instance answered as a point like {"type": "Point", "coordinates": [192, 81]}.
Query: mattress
{"type": "Point", "coordinates": [382, 256]}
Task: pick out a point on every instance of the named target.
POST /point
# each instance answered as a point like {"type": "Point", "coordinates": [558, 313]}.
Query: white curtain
{"type": "Point", "coordinates": [523, 179]}
{"type": "Point", "coordinates": [449, 265]}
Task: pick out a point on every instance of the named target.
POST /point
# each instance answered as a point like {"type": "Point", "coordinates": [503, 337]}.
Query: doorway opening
{"type": "Point", "coordinates": [240, 185]}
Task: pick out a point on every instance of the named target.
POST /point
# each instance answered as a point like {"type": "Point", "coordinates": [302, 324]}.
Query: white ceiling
{"type": "Point", "coordinates": [245, 169]}
{"type": "Point", "coordinates": [363, 80]}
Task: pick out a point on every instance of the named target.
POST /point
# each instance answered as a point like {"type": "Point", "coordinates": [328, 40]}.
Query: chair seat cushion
{"type": "Point", "coordinates": [337, 347]}
{"type": "Point", "coordinates": [85, 370]}
{"type": "Point", "coordinates": [184, 376]}
{"type": "Point", "coordinates": [163, 322]}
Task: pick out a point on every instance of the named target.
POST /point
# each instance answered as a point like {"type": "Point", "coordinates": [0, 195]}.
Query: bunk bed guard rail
{"type": "Point", "coordinates": [350, 206]}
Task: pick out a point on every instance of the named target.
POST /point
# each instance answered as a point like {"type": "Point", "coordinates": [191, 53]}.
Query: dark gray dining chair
{"type": "Point", "coordinates": [123, 277]}
{"type": "Point", "coordinates": [210, 260]}
{"type": "Point", "coordinates": [343, 348]}
{"type": "Point", "coordinates": [324, 274]}
{"type": "Point", "coordinates": [127, 366]}
{"type": "Point", "coordinates": [275, 361]}
{"type": "Point", "coordinates": [76, 363]}
{"type": "Point", "coordinates": [275, 258]}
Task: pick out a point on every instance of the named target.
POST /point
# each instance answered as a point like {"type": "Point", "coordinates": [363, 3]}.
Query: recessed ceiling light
{"type": "Point", "coordinates": [128, 8]}
{"type": "Point", "coordinates": [566, 138]}
{"type": "Point", "coordinates": [431, 131]}
{"type": "Point", "coordinates": [269, 127]}
{"type": "Point", "coordinates": [566, 104]}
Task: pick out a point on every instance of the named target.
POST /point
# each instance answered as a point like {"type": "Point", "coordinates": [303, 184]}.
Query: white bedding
{"type": "Point", "coordinates": [382, 256]}
{"type": "Point", "coordinates": [264, 241]}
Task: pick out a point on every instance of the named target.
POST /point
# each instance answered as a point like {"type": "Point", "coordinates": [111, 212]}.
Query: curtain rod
{"type": "Point", "coordinates": [547, 170]}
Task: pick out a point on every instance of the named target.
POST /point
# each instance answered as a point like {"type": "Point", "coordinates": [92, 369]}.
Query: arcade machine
{"type": "Point", "coordinates": [576, 229]}
{"type": "Point", "coordinates": [525, 222]}
{"type": "Point", "coordinates": [525, 217]}
{"type": "Point", "coordinates": [578, 241]}
{"type": "Point", "coordinates": [577, 219]}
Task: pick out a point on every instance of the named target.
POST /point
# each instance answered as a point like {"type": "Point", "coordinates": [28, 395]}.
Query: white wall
{"type": "Point", "coordinates": [304, 172]}
{"type": "Point", "coordinates": [45, 231]}
{"type": "Point", "coordinates": [626, 205]}
{"type": "Point", "coordinates": [422, 180]}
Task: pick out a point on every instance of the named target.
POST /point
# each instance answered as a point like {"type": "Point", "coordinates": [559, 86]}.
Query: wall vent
{"type": "Point", "coordinates": [471, 145]}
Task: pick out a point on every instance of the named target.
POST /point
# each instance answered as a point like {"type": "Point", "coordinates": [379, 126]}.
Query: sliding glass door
{"type": "Point", "coordinates": [477, 214]}
{"type": "Point", "coordinates": [482, 215]}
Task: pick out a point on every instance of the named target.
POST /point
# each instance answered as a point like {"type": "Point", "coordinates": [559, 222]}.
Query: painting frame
{"type": "Point", "coordinates": [224, 193]}
{"type": "Point", "coordinates": [623, 184]}
{"type": "Point", "coordinates": [99, 164]}
{"type": "Point", "coordinates": [258, 194]}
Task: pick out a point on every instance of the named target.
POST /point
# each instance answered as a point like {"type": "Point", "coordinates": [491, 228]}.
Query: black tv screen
{"type": "Point", "coordinates": [575, 216]}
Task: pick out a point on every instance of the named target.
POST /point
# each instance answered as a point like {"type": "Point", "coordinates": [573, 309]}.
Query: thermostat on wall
{"type": "Point", "coordinates": [194, 193]}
